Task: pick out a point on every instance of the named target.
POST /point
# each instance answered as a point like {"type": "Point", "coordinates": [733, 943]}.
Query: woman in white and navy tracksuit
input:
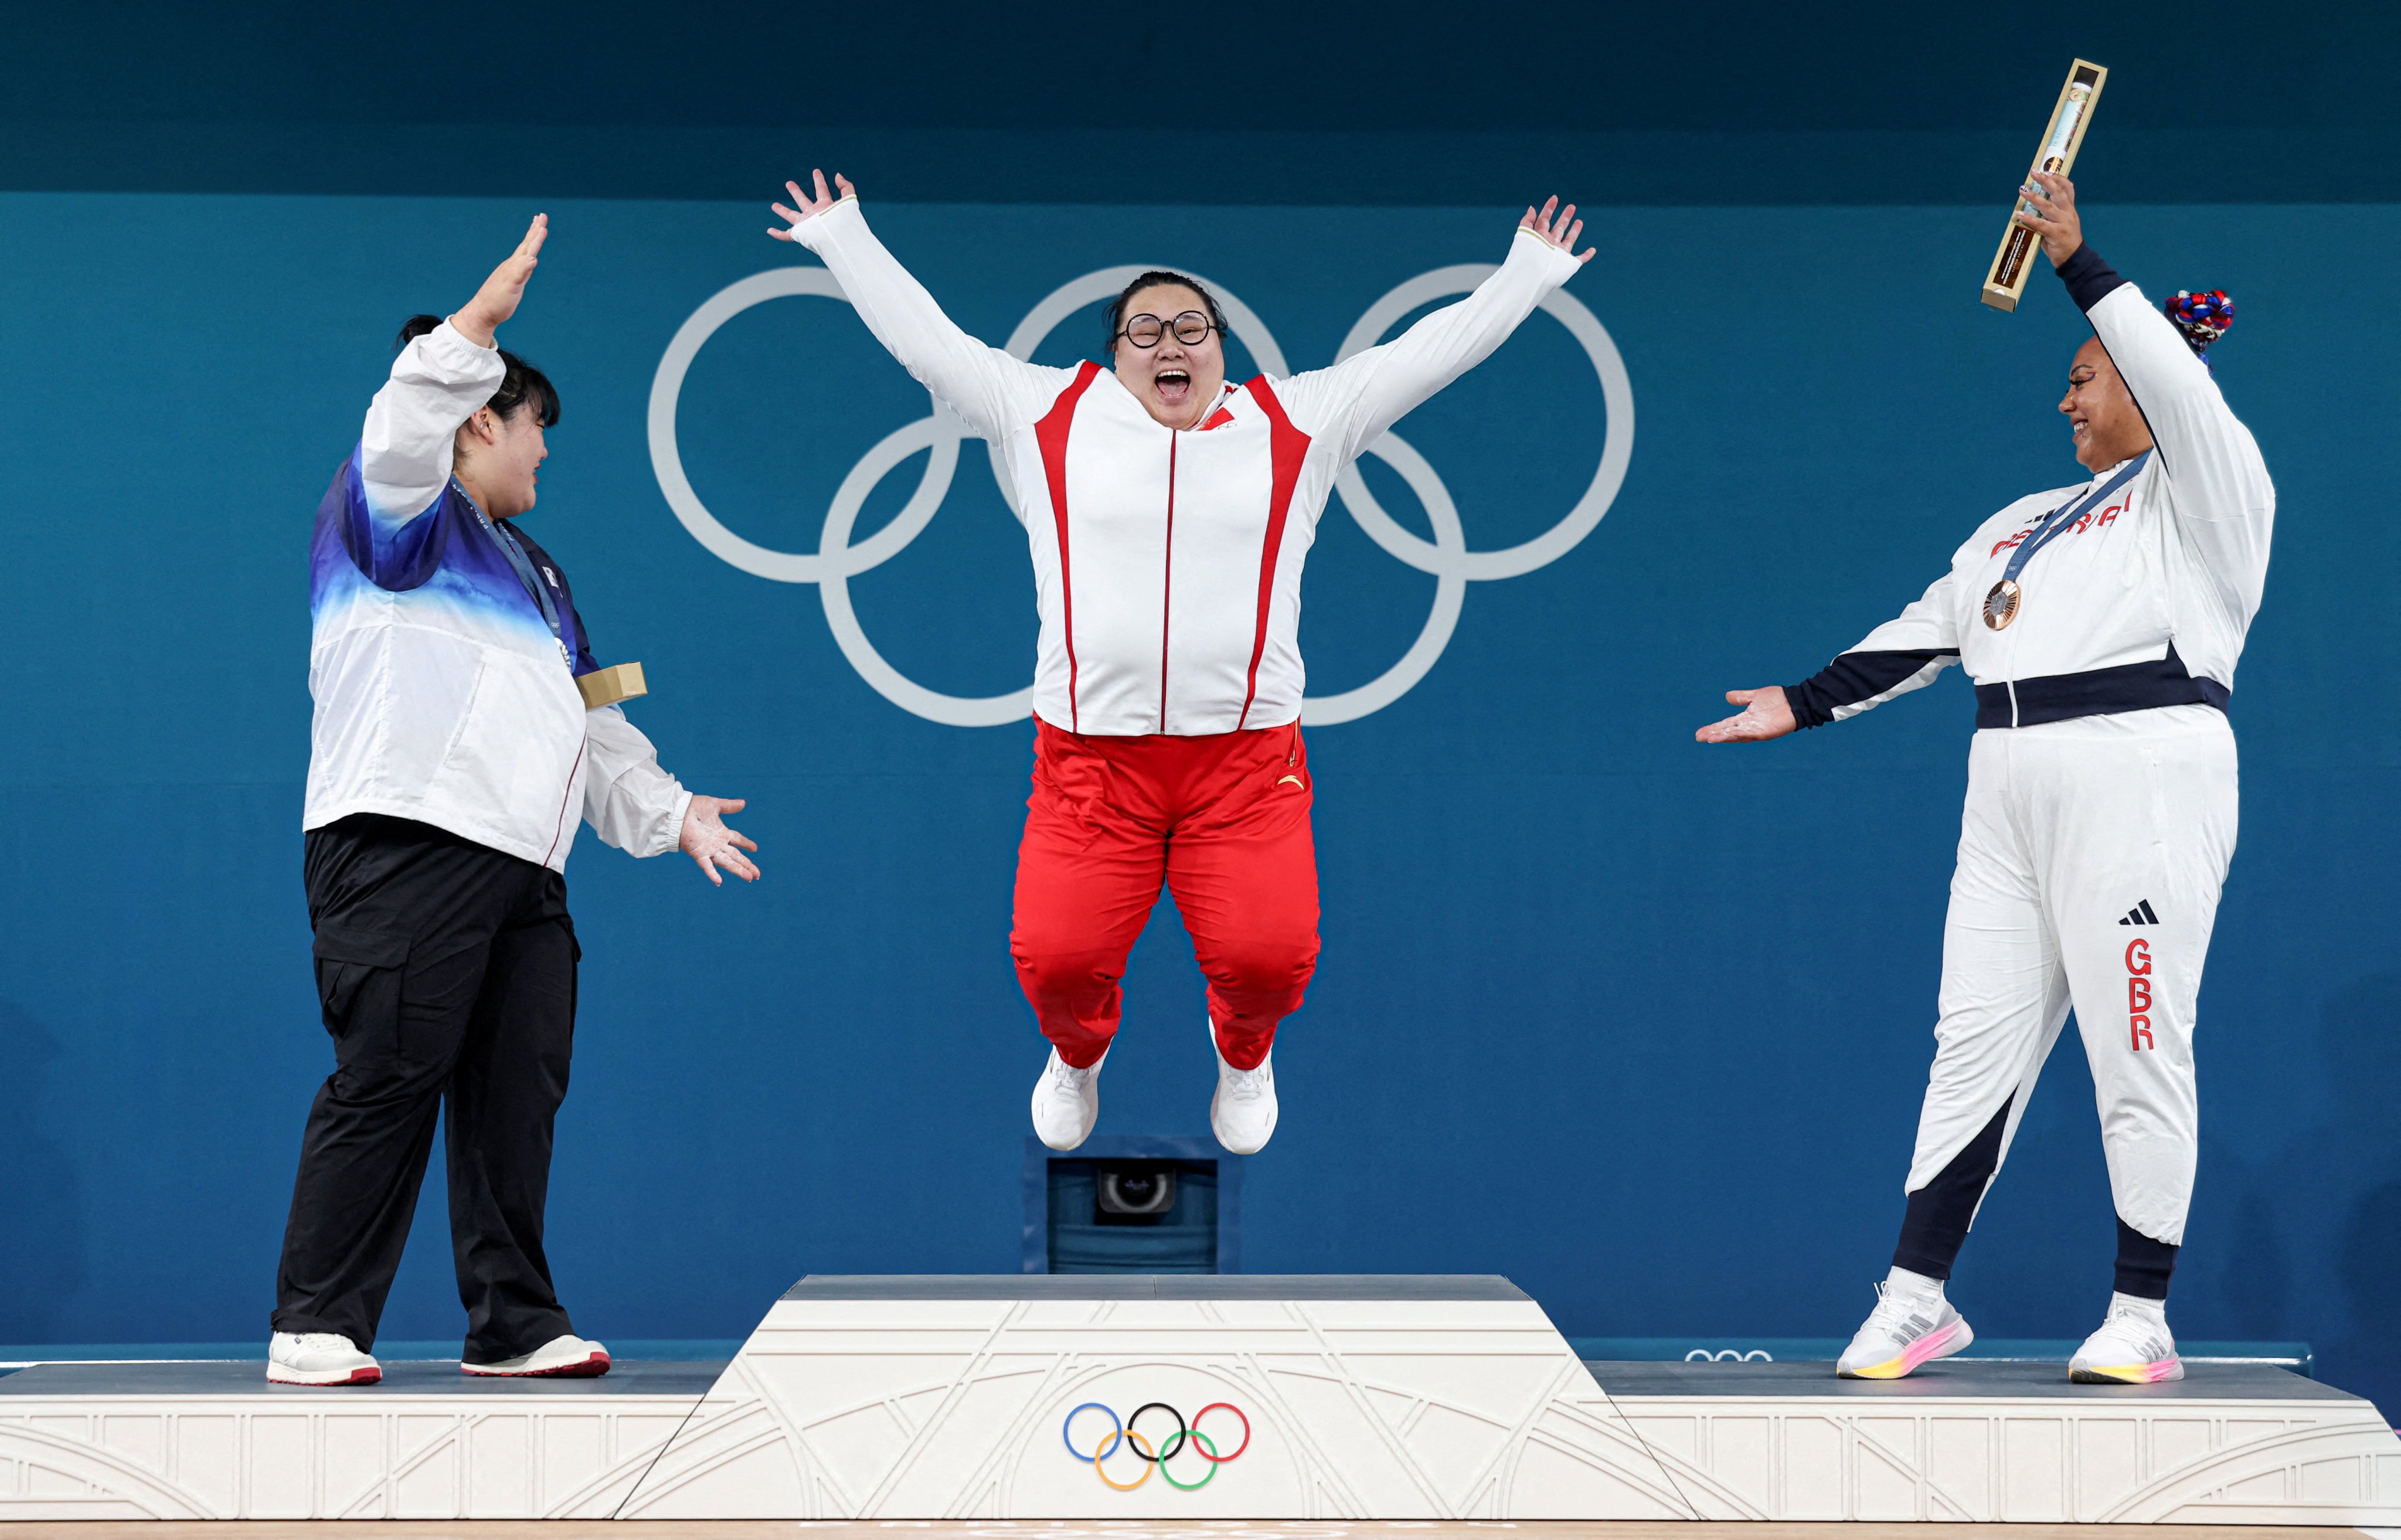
{"type": "Point", "coordinates": [451, 759]}
{"type": "Point", "coordinates": [2101, 623]}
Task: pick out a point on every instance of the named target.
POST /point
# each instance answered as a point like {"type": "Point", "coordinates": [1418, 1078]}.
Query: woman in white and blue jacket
{"type": "Point", "coordinates": [450, 757]}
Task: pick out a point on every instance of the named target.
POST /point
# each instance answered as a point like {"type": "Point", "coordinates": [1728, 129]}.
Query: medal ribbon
{"type": "Point", "coordinates": [524, 569]}
{"type": "Point", "coordinates": [2062, 518]}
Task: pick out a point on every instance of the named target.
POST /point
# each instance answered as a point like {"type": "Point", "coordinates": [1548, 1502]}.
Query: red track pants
{"type": "Point", "coordinates": [1224, 821]}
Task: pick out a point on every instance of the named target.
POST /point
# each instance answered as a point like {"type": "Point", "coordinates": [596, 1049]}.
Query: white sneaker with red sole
{"type": "Point", "coordinates": [319, 1358]}
{"type": "Point", "coordinates": [560, 1358]}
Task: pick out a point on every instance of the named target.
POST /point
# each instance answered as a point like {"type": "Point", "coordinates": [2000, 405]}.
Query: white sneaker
{"type": "Point", "coordinates": [2134, 1347]}
{"type": "Point", "coordinates": [319, 1358]}
{"type": "Point", "coordinates": [560, 1358]}
{"type": "Point", "coordinates": [1243, 1113]}
{"type": "Point", "coordinates": [1067, 1102]}
{"type": "Point", "coordinates": [1902, 1334]}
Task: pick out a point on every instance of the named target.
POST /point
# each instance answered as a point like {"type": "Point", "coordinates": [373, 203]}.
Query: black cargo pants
{"type": "Point", "coordinates": [446, 971]}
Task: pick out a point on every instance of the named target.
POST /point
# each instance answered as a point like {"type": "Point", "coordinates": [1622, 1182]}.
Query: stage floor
{"type": "Point", "coordinates": [778, 1529]}
{"type": "Point", "coordinates": [1624, 1380]}
{"type": "Point", "coordinates": [1954, 1377]}
{"type": "Point", "coordinates": [685, 1383]}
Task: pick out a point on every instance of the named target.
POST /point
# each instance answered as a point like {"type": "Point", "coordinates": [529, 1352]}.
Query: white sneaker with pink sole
{"type": "Point", "coordinates": [1906, 1331]}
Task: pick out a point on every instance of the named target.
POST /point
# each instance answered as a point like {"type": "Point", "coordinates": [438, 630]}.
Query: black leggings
{"type": "Point", "coordinates": [1936, 1225]}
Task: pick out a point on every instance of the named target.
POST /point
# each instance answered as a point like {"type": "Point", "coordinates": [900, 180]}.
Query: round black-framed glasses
{"type": "Point", "coordinates": [1146, 331]}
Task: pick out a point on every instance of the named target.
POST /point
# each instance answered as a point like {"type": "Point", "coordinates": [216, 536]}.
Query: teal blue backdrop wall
{"type": "Point", "coordinates": [1639, 1023]}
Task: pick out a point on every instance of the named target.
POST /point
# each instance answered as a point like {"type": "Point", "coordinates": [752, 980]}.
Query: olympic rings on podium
{"type": "Point", "coordinates": [1107, 1445]}
{"type": "Point", "coordinates": [1207, 1452]}
{"type": "Point", "coordinates": [1103, 1471]}
{"type": "Point", "coordinates": [1181, 1432]}
{"type": "Point", "coordinates": [939, 433]}
{"type": "Point", "coordinates": [1212, 1453]}
{"type": "Point", "coordinates": [1123, 1433]}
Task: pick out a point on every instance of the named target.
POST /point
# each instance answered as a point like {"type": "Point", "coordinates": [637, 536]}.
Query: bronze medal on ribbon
{"type": "Point", "coordinates": [2001, 604]}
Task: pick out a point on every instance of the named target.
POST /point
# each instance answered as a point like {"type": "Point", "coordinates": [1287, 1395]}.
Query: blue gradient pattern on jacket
{"type": "Point", "coordinates": [441, 560]}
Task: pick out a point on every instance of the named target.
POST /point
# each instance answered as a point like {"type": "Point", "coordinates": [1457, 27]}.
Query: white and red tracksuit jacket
{"type": "Point", "coordinates": [1167, 564]}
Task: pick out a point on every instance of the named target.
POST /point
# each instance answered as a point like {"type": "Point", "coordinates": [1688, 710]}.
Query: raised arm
{"type": "Point", "coordinates": [994, 392]}
{"type": "Point", "coordinates": [1904, 654]}
{"type": "Point", "coordinates": [2222, 498]}
{"type": "Point", "coordinates": [1358, 398]}
{"type": "Point", "coordinates": [407, 446]}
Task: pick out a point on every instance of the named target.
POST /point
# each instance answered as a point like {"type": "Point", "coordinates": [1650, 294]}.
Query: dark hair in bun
{"type": "Point", "coordinates": [520, 385]}
{"type": "Point", "coordinates": [2202, 316]}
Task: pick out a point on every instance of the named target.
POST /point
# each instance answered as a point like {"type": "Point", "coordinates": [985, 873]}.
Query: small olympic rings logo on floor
{"type": "Point", "coordinates": [1153, 1457]}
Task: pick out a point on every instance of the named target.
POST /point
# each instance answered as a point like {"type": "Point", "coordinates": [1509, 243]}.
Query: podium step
{"type": "Point", "coordinates": [1424, 1399]}
{"type": "Point", "coordinates": [1020, 1398]}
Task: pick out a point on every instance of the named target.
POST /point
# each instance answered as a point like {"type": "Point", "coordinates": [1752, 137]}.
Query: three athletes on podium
{"type": "Point", "coordinates": [451, 755]}
{"type": "Point", "coordinates": [1169, 512]}
{"type": "Point", "coordinates": [2101, 623]}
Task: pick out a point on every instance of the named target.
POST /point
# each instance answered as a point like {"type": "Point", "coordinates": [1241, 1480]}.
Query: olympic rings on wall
{"type": "Point", "coordinates": [1125, 1435]}
{"type": "Point", "coordinates": [937, 433]}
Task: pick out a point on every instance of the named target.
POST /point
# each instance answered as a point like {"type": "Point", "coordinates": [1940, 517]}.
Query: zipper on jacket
{"type": "Point", "coordinates": [1167, 578]}
{"type": "Point", "coordinates": [565, 802]}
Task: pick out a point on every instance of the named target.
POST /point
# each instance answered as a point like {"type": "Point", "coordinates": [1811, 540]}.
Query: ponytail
{"type": "Point", "coordinates": [520, 384]}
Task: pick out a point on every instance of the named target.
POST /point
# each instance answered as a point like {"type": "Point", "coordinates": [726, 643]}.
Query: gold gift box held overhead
{"type": "Point", "coordinates": [2005, 282]}
{"type": "Point", "coordinates": [607, 686]}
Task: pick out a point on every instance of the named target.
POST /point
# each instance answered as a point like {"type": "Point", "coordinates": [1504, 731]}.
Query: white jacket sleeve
{"type": "Point", "coordinates": [1904, 654]}
{"type": "Point", "coordinates": [2219, 495]}
{"type": "Point", "coordinates": [1351, 404]}
{"type": "Point", "coordinates": [992, 391]}
{"type": "Point", "coordinates": [438, 381]}
{"type": "Point", "coordinates": [629, 799]}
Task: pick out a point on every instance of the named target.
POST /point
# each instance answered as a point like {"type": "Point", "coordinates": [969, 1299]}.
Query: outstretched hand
{"type": "Point", "coordinates": [497, 301]}
{"type": "Point", "coordinates": [808, 207]}
{"type": "Point", "coordinates": [1560, 233]}
{"type": "Point", "coordinates": [1766, 714]}
{"type": "Point", "coordinates": [711, 844]}
{"type": "Point", "coordinates": [2051, 214]}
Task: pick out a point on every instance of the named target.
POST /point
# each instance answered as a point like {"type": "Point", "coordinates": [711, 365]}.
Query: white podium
{"type": "Point", "coordinates": [1365, 1398]}
{"type": "Point", "coordinates": [1450, 1397]}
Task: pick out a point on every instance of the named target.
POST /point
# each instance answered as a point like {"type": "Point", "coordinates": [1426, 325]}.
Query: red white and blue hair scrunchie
{"type": "Point", "coordinates": [2203, 317]}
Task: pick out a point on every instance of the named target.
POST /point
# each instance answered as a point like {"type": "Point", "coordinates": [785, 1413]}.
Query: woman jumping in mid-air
{"type": "Point", "coordinates": [1169, 511]}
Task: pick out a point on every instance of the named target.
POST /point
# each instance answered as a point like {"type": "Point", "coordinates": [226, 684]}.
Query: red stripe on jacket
{"type": "Point", "coordinates": [1051, 434]}
{"type": "Point", "coordinates": [1288, 448]}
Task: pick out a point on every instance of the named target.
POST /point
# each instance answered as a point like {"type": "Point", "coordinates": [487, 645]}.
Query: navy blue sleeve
{"type": "Point", "coordinates": [1853, 677]}
{"type": "Point", "coordinates": [396, 555]}
{"type": "Point", "coordinates": [2089, 279]}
